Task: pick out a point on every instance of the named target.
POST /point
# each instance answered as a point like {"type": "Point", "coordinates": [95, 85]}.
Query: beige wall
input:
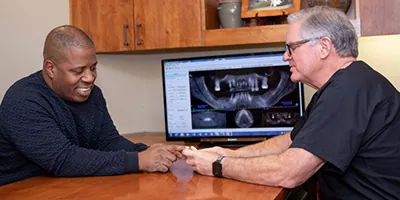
{"type": "Point", "coordinates": [131, 83]}
{"type": "Point", "coordinates": [23, 26]}
{"type": "Point", "coordinates": [382, 54]}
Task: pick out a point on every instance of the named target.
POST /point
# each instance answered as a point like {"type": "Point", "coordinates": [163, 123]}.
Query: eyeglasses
{"type": "Point", "coordinates": [290, 47]}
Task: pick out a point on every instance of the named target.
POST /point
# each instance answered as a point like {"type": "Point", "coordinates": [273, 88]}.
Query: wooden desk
{"type": "Point", "coordinates": [180, 183]}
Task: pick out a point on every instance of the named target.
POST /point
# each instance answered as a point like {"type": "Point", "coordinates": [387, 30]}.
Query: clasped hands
{"type": "Point", "coordinates": [160, 157]}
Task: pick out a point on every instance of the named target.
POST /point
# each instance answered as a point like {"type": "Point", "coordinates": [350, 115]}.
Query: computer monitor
{"type": "Point", "coordinates": [242, 97]}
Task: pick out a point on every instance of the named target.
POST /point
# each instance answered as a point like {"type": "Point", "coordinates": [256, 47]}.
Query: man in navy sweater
{"type": "Point", "coordinates": [56, 121]}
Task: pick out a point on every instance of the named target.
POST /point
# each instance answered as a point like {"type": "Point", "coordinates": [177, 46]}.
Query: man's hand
{"type": "Point", "coordinates": [221, 151]}
{"type": "Point", "coordinates": [200, 161]}
{"type": "Point", "coordinates": [159, 157]}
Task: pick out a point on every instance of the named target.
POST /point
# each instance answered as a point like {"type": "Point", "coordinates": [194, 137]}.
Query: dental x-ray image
{"type": "Point", "coordinates": [280, 118]}
{"type": "Point", "coordinates": [241, 98]}
{"type": "Point", "coordinates": [241, 88]}
{"type": "Point", "coordinates": [204, 119]}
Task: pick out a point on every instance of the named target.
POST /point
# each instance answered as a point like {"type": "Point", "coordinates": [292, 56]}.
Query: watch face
{"type": "Point", "coordinates": [217, 169]}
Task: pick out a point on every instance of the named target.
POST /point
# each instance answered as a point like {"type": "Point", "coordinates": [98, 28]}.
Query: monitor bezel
{"type": "Point", "coordinates": [196, 138]}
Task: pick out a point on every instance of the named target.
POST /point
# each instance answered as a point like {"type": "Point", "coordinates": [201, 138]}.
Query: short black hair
{"type": "Point", "coordinates": [63, 37]}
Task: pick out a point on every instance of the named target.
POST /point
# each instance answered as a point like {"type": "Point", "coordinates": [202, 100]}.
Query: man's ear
{"type": "Point", "coordinates": [48, 68]}
{"type": "Point", "coordinates": [326, 47]}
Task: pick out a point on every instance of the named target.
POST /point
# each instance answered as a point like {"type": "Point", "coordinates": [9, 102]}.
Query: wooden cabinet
{"type": "Point", "coordinates": [245, 35]}
{"type": "Point", "coordinates": [109, 23]}
{"type": "Point", "coordinates": [369, 17]}
{"type": "Point", "coordinates": [127, 25]}
{"type": "Point", "coordinates": [132, 25]}
{"type": "Point", "coordinates": [268, 34]}
{"type": "Point", "coordinates": [214, 36]}
{"type": "Point", "coordinates": [379, 17]}
{"type": "Point", "coordinates": [167, 23]}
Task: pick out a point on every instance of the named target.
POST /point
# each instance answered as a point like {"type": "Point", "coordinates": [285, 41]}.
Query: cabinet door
{"type": "Point", "coordinates": [379, 17]}
{"type": "Point", "coordinates": [167, 23]}
{"type": "Point", "coordinates": [108, 22]}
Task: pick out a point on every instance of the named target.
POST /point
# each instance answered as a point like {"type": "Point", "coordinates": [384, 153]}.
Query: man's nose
{"type": "Point", "coordinates": [89, 76]}
{"type": "Point", "coordinates": [286, 56]}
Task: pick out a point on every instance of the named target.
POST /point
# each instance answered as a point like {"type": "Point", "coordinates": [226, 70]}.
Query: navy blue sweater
{"type": "Point", "coordinates": [40, 133]}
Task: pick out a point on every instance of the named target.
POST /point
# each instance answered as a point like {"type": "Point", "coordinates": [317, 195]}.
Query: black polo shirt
{"type": "Point", "coordinates": [353, 123]}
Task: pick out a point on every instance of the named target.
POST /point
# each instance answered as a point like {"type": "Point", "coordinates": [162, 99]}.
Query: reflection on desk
{"type": "Point", "coordinates": [180, 183]}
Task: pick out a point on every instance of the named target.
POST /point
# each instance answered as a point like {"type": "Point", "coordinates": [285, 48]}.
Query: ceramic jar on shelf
{"type": "Point", "coordinates": [229, 13]}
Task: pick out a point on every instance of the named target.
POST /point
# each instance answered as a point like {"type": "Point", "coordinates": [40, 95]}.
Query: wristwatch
{"type": "Point", "coordinates": [217, 167]}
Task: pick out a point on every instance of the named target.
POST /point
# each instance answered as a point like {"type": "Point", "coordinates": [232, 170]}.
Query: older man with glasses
{"type": "Point", "coordinates": [349, 135]}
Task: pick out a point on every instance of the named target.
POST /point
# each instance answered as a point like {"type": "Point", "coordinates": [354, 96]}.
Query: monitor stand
{"type": "Point", "coordinates": [229, 142]}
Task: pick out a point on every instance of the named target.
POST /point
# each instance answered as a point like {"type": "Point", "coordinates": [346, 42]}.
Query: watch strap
{"type": "Point", "coordinates": [219, 159]}
{"type": "Point", "coordinates": [217, 167]}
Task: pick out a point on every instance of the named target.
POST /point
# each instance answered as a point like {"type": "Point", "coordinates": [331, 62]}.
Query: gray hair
{"type": "Point", "coordinates": [63, 37]}
{"type": "Point", "coordinates": [323, 21]}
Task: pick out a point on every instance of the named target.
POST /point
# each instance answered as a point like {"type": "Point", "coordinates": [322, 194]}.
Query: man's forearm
{"type": "Point", "coordinates": [272, 146]}
{"type": "Point", "coordinates": [121, 143]}
{"type": "Point", "coordinates": [260, 170]}
{"type": "Point", "coordinates": [284, 167]}
{"type": "Point", "coordinates": [288, 169]}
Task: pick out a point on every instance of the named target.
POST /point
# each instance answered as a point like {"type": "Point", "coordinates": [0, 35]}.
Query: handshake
{"type": "Point", "coordinates": [160, 157]}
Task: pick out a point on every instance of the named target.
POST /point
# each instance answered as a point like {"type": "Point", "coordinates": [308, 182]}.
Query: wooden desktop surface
{"type": "Point", "coordinates": [180, 183]}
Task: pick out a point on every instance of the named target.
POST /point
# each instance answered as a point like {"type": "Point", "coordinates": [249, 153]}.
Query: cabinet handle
{"type": "Point", "coordinates": [126, 43]}
{"type": "Point", "coordinates": [138, 40]}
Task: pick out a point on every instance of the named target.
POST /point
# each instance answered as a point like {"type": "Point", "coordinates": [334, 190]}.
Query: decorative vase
{"type": "Point", "coordinates": [342, 5]}
{"type": "Point", "coordinates": [229, 13]}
